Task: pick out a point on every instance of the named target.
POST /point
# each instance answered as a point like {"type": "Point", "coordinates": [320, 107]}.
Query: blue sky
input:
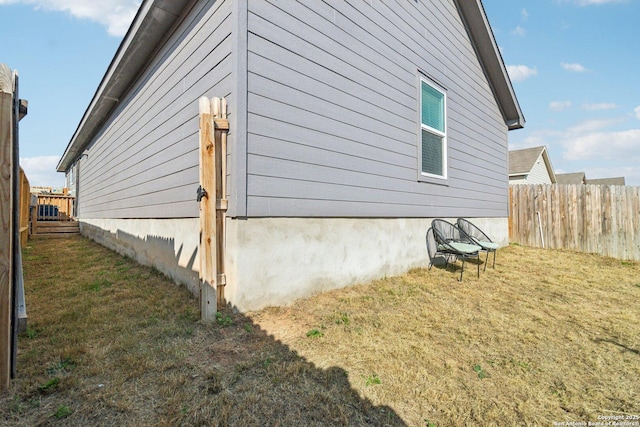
{"type": "Point", "coordinates": [573, 63]}
{"type": "Point", "coordinates": [574, 67]}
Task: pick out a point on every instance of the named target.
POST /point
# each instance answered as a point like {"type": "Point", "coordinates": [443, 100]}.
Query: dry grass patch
{"type": "Point", "coordinates": [548, 336]}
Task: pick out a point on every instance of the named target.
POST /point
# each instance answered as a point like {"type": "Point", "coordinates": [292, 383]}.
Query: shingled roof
{"type": "Point", "coordinates": [619, 180]}
{"type": "Point", "coordinates": [521, 162]}
{"type": "Point", "coordinates": [571, 178]}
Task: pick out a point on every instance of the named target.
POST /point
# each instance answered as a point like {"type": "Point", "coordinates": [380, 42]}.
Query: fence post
{"type": "Point", "coordinates": [6, 223]}
{"type": "Point", "coordinates": [207, 200]}
{"type": "Point", "coordinates": [25, 202]}
{"type": "Point", "coordinates": [221, 127]}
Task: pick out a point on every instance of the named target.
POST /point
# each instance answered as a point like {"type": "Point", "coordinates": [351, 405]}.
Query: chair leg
{"type": "Point", "coordinates": [462, 271]}
{"type": "Point", "coordinates": [485, 262]}
{"type": "Point", "coordinates": [479, 265]}
{"type": "Point", "coordinates": [494, 259]}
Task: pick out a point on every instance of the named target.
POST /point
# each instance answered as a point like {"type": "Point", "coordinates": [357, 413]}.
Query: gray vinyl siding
{"type": "Point", "coordinates": [539, 173]}
{"type": "Point", "coordinates": [332, 121]}
{"type": "Point", "coordinates": [144, 162]}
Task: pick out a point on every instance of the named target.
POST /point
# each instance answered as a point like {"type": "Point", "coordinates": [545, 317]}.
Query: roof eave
{"type": "Point", "coordinates": [150, 26]}
{"type": "Point", "coordinates": [484, 43]}
{"type": "Point", "coordinates": [549, 166]}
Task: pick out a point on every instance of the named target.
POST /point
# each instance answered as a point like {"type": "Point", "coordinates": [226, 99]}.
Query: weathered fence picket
{"type": "Point", "coordinates": [603, 219]}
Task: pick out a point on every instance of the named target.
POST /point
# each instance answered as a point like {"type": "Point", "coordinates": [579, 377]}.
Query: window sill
{"type": "Point", "coordinates": [433, 180]}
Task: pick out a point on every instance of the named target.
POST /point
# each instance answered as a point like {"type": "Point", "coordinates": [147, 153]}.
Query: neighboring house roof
{"type": "Point", "coordinates": [571, 178]}
{"type": "Point", "coordinates": [619, 180]}
{"type": "Point", "coordinates": [156, 20]}
{"type": "Point", "coordinates": [522, 161]}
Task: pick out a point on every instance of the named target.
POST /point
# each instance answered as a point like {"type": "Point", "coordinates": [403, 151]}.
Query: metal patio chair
{"type": "Point", "coordinates": [434, 253]}
{"type": "Point", "coordinates": [451, 240]}
{"type": "Point", "coordinates": [479, 238]}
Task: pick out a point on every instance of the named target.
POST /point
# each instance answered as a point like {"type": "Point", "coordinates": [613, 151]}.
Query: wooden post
{"type": "Point", "coordinates": [213, 203]}
{"type": "Point", "coordinates": [25, 202]}
{"type": "Point", "coordinates": [207, 200]}
{"type": "Point", "coordinates": [6, 223]}
{"type": "Point", "coordinates": [221, 126]}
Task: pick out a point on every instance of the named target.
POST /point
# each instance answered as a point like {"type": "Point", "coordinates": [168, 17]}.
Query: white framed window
{"type": "Point", "coordinates": [433, 130]}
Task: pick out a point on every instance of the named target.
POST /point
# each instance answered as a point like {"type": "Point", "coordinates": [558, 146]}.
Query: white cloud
{"type": "Point", "coordinates": [637, 111]}
{"type": "Point", "coordinates": [591, 126]}
{"type": "Point", "coordinates": [591, 145]}
{"type": "Point", "coordinates": [539, 138]}
{"type": "Point", "coordinates": [41, 171]}
{"type": "Point", "coordinates": [115, 15]}
{"type": "Point", "coordinates": [603, 145]}
{"type": "Point", "coordinates": [601, 106]}
{"type": "Point", "coordinates": [524, 14]}
{"type": "Point", "coordinates": [519, 31]}
{"type": "Point", "coordinates": [518, 73]}
{"type": "Point", "coordinates": [573, 67]}
{"type": "Point", "coordinates": [559, 105]}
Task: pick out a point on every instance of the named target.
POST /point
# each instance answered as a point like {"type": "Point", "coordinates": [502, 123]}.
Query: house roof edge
{"type": "Point", "coordinates": [475, 19]}
{"type": "Point", "coordinates": [152, 23]}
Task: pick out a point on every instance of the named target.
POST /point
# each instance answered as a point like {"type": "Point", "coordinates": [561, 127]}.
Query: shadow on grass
{"type": "Point", "coordinates": [472, 266]}
{"type": "Point", "coordinates": [622, 346]}
{"type": "Point", "coordinates": [123, 345]}
{"type": "Point", "coordinates": [258, 380]}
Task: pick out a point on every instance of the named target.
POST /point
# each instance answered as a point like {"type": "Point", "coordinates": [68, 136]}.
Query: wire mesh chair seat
{"type": "Point", "coordinates": [453, 242]}
{"type": "Point", "coordinates": [479, 238]}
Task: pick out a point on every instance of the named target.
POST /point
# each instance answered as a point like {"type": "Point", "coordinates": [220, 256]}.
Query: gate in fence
{"type": "Point", "coordinates": [52, 216]}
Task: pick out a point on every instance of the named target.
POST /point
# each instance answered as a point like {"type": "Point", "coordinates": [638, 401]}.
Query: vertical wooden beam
{"type": "Point", "coordinates": [25, 202]}
{"type": "Point", "coordinates": [221, 126]}
{"type": "Point", "coordinates": [207, 196]}
{"type": "Point", "coordinates": [6, 223]}
{"type": "Point", "coordinates": [213, 203]}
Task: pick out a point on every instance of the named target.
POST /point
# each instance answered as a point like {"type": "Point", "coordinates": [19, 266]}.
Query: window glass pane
{"type": "Point", "coordinates": [432, 107]}
{"type": "Point", "coordinates": [432, 153]}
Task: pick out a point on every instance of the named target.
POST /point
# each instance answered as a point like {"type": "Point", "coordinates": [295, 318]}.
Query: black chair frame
{"type": "Point", "coordinates": [478, 237]}
{"type": "Point", "coordinates": [445, 234]}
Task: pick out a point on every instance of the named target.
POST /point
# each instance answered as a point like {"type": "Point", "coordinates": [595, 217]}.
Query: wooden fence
{"type": "Point", "coordinates": [12, 109]}
{"type": "Point", "coordinates": [52, 216]}
{"type": "Point", "coordinates": [55, 207]}
{"type": "Point", "coordinates": [602, 219]}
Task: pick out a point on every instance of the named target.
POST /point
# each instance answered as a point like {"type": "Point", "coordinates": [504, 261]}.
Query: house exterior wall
{"type": "Point", "coordinates": [539, 174]}
{"type": "Point", "coordinates": [144, 162]}
{"type": "Point", "coordinates": [520, 179]}
{"type": "Point", "coordinates": [324, 189]}
{"type": "Point", "coordinates": [168, 244]}
{"type": "Point", "coordinates": [333, 105]}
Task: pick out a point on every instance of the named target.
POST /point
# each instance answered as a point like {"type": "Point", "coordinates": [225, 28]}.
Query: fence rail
{"type": "Point", "coordinates": [602, 219]}
{"type": "Point", "coordinates": [25, 201]}
{"type": "Point", "coordinates": [55, 207]}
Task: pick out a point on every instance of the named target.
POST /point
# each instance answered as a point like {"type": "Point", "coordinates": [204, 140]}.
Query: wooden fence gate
{"type": "Point", "coordinates": [211, 195]}
{"type": "Point", "coordinates": [53, 216]}
{"type": "Point", "coordinates": [602, 219]}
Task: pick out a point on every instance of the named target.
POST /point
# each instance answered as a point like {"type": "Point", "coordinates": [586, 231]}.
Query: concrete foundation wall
{"type": "Point", "coordinates": [275, 261]}
{"type": "Point", "coordinates": [169, 245]}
